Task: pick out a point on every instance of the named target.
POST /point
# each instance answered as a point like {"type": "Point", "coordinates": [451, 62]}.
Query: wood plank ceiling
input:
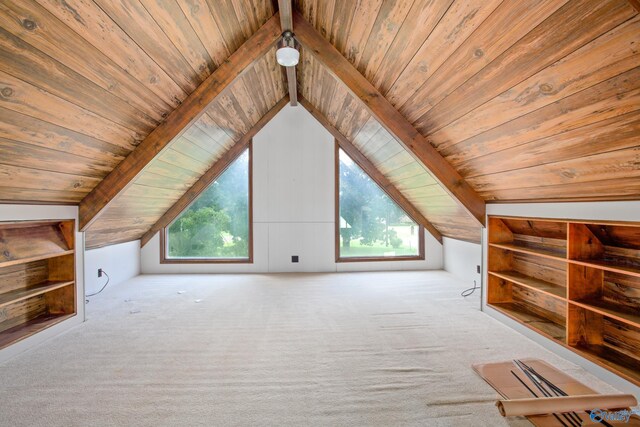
{"type": "Point", "coordinates": [187, 158]}
{"type": "Point", "coordinates": [546, 108]}
{"type": "Point", "coordinates": [83, 82]}
{"type": "Point", "coordinates": [528, 100]}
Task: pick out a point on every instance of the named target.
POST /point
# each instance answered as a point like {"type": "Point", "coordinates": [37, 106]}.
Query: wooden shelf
{"type": "Point", "coordinates": [609, 309]}
{"type": "Point", "coordinates": [35, 258]}
{"type": "Point", "coordinates": [37, 277]}
{"type": "Point", "coordinates": [550, 253]}
{"type": "Point", "coordinates": [548, 288]}
{"type": "Point", "coordinates": [31, 327]}
{"type": "Point", "coordinates": [532, 320]}
{"type": "Point", "coordinates": [575, 282]}
{"type": "Point", "coordinates": [22, 294]}
{"type": "Point", "coordinates": [608, 266]}
{"type": "Point", "coordinates": [613, 360]}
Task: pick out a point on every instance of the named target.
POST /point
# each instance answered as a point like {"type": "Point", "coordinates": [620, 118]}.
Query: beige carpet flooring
{"type": "Point", "coordinates": [358, 349]}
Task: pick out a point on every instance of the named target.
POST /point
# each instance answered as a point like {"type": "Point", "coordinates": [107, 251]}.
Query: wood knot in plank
{"type": "Point", "coordinates": [478, 53]}
{"type": "Point", "coordinates": [6, 92]}
{"type": "Point", "coordinates": [546, 88]}
{"type": "Point", "coordinates": [28, 24]}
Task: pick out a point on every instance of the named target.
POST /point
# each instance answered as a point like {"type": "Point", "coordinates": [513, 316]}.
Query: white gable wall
{"type": "Point", "coordinates": [293, 206]}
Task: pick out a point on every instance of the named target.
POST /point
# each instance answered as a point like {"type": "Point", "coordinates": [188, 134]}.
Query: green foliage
{"type": "Point", "coordinates": [216, 225]}
{"type": "Point", "coordinates": [367, 210]}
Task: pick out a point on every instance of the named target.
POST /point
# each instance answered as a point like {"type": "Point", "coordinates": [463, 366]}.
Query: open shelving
{"type": "Point", "coordinates": [37, 277]}
{"type": "Point", "coordinates": [575, 282]}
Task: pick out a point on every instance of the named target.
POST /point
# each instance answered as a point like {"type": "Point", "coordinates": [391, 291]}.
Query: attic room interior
{"type": "Point", "coordinates": [319, 212]}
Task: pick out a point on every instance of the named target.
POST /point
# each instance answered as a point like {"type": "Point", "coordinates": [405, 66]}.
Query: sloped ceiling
{"type": "Point", "coordinates": [530, 100]}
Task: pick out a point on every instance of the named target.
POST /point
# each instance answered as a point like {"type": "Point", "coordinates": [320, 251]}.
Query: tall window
{"type": "Point", "coordinates": [216, 227]}
{"type": "Point", "coordinates": [371, 226]}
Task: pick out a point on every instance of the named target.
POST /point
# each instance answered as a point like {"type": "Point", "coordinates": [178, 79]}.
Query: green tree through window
{"type": "Point", "coordinates": [216, 225]}
{"type": "Point", "coordinates": [371, 225]}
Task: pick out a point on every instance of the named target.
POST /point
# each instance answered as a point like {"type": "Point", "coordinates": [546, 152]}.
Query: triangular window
{"type": "Point", "coordinates": [371, 226]}
{"type": "Point", "coordinates": [217, 225]}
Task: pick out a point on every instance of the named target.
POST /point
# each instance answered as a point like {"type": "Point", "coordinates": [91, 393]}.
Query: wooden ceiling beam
{"type": "Point", "coordinates": [286, 23]}
{"type": "Point", "coordinates": [178, 121]}
{"type": "Point", "coordinates": [390, 118]}
{"type": "Point", "coordinates": [286, 15]}
{"type": "Point", "coordinates": [373, 172]}
{"type": "Point", "coordinates": [212, 174]}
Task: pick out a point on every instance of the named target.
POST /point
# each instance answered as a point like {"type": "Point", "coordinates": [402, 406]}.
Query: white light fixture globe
{"type": "Point", "coordinates": [287, 55]}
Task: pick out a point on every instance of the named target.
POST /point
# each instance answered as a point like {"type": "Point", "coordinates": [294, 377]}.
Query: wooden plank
{"type": "Point", "coordinates": [614, 189]}
{"type": "Point", "coordinates": [635, 4]}
{"type": "Point", "coordinates": [94, 25]}
{"type": "Point", "coordinates": [612, 165]}
{"type": "Point", "coordinates": [366, 165]}
{"type": "Point", "coordinates": [385, 29]}
{"type": "Point", "coordinates": [611, 98]}
{"type": "Point", "coordinates": [245, 93]}
{"type": "Point", "coordinates": [390, 118]}
{"type": "Point", "coordinates": [35, 25]}
{"type": "Point", "coordinates": [286, 18]}
{"type": "Point", "coordinates": [238, 121]}
{"type": "Point", "coordinates": [8, 298]}
{"type": "Point", "coordinates": [176, 123]}
{"type": "Point", "coordinates": [571, 27]}
{"type": "Point", "coordinates": [135, 20]}
{"type": "Point", "coordinates": [203, 24]}
{"type": "Point", "coordinates": [171, 19]}
{"type": "Point", "coordinates": [23, 275]}
{"type": "Point", "coordinates": [364, 19]}
{"type": "Point", "coordinates": [228, 23]}
{"type": "Point", "coordinates": [40, 180]}
{"type": "Point", "coordinates": [13, 195]}
{"type": "Point", "coordinates": [603, 58]}
{"type": "Point", "coordinates": [30, 65]}
{"type": "Point", "coordinates": [33, 157]}
{"type": "Point", "coordinates": [343, 18]}
{"type": "Point", "coordinates": [25, 98]}
{"type": "Point", "coordinates": [292, 85]}
{"type": "Point", "coordinates": [178, 159]}
{"type": "Point", "coordinates": [458, 23]}
{"type": "Point", "coordinates": [479, 49]}
{"type": "Point", "coordinates": [596, 138]}
{"type": "Point", "coordinates": [548, 288]}
{"type": "Point", "coordinates": [30, 130]}
{"type": "Point", "coordinates": [421, 20]}
{"type": "Point", "coordinates": [212, 174]}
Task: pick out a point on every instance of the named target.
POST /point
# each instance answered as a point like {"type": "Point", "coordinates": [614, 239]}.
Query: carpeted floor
{"type": "Point", "coordinates": [358, 349]}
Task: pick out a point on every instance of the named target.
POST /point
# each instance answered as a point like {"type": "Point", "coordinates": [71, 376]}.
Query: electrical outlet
{"type": "Point", "coordinates": [99, 272]}
{"type": "Point", "coordinates": [478, 269]}
{"type": "Point", "coordinates": [294, 258]}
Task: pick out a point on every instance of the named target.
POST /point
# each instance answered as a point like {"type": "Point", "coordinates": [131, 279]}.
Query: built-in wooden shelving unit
{"type": "Point", "coordinates": [37, 277]}
{"type": "Point", "coordinates": [575, 282]}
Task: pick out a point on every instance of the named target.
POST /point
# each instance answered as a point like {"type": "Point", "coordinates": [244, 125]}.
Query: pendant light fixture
{"type": "Point", "coordinates": [287, 54]}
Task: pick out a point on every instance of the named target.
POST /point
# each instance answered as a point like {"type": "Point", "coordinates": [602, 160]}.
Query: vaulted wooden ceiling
{"type": "Point", "coordinates": [528, 100]}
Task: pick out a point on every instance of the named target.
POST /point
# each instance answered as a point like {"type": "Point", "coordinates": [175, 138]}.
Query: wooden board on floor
{"type": "Point", "coordinates": [498, 375]}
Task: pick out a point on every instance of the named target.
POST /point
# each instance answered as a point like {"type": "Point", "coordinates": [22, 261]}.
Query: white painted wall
{"type": "Point", "coordinates": [612, 211]}
{"type": "Point", "coordinates": [293, 206]}
{"type": "Point", "coordinates": [43, 212]}
{"type": "Point", "coordinates": [121, 262]}
{"type": "Point", "coordinates": [462, 258]}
